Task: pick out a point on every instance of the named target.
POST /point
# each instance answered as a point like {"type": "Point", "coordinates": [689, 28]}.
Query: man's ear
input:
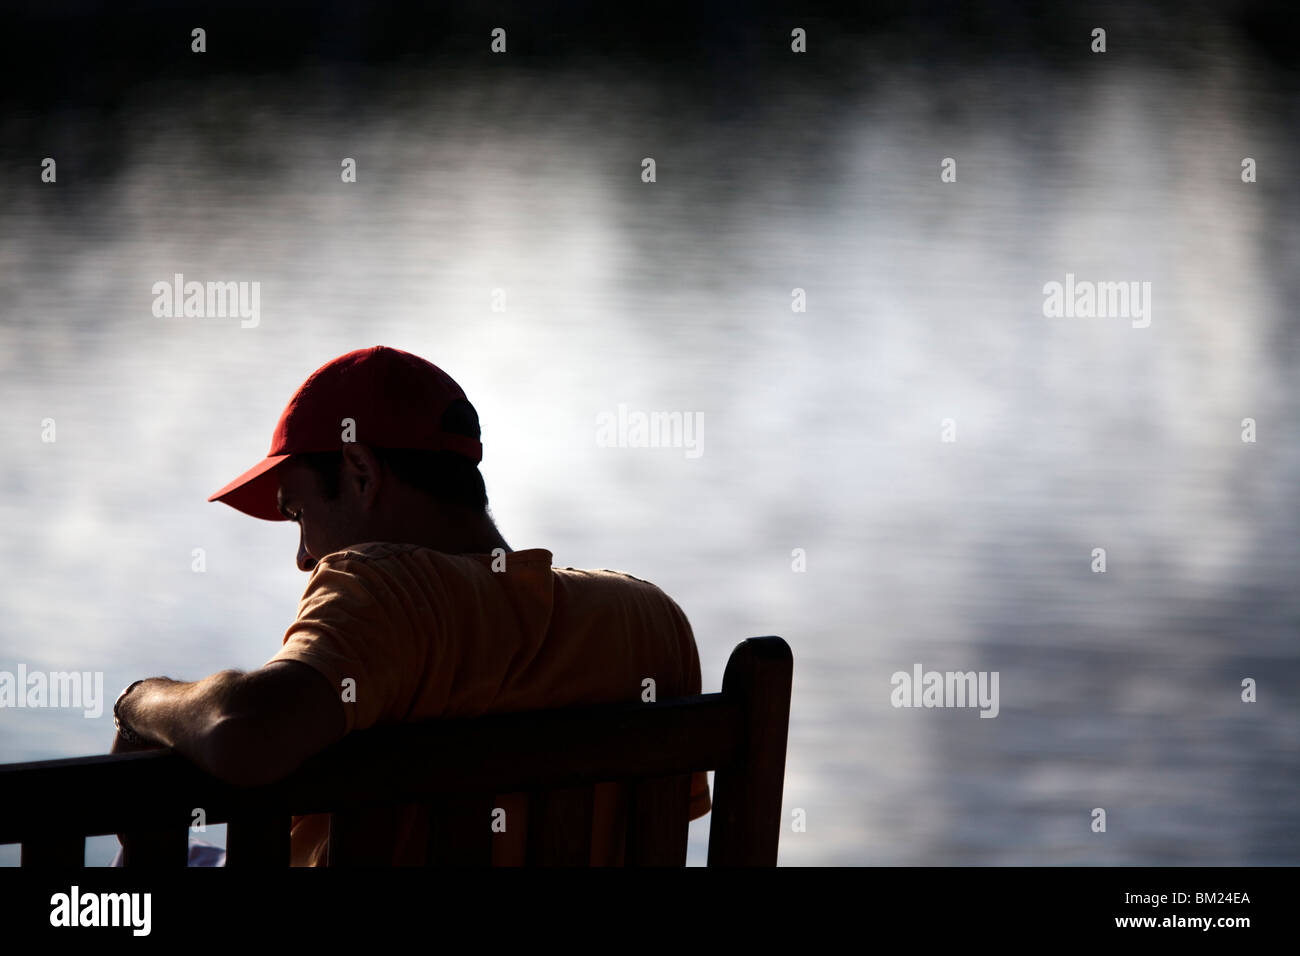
{"type": "Point", "coordinates": [361, 472]}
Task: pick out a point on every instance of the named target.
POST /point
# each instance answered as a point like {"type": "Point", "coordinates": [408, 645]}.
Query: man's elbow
{"type": "Point", "coordinates": [235, 752]}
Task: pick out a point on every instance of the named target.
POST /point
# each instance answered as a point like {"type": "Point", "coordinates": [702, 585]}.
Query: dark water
{"type": "Point", "coordinates": [822, 429]}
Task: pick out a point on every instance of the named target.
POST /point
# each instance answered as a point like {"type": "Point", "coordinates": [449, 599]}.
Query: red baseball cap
{"type": "Point", "coordinates": [394, 399]}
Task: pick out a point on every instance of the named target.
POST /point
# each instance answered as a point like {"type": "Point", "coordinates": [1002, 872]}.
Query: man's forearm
{"type": "Point", "coordinates": [180, 715]}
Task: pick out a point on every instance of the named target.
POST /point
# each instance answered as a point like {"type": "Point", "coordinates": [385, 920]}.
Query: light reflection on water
{"type": "Point", "coordinates": [821, 429]}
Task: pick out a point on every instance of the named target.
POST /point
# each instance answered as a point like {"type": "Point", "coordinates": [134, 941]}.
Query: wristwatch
{"type": "Point", "coordinates": [127, 734]}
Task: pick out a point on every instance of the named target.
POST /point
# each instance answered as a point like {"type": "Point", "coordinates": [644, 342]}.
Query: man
{"type": "Point", "coordinates": [416, 608]}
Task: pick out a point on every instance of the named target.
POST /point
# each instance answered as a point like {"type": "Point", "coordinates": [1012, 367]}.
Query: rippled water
{"type": "Point", "coordinates": [821, 429]}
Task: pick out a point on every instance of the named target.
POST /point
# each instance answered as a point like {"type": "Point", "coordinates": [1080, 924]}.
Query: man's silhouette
{"type": "Point", "coordinates": [416, 609]}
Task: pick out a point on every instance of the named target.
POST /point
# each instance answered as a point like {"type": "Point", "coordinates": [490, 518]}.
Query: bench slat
{"type": "Point", "coordinates": [156, 848]}
{"type": "Point", "coordinates": [460, 831]}
{"type": "Point", "coordinates": [258, 840]}
{"type": "Point", "coordinates": [658, 819]}
{"type": "Point", "coordinates": [559, 826]}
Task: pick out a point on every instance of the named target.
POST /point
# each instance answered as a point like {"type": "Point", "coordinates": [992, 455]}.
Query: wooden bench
{"type": "Point", "coordinates": [556, 756]}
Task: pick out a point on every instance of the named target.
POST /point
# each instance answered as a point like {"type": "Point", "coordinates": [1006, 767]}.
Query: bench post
{"type": "Point", "coordinates": [746, 824]}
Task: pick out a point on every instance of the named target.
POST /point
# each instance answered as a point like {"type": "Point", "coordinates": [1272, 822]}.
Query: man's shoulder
{"type": "Point", "coordinates": [606, 576]}
{"type": "Point", "coordinates": [620, 582]}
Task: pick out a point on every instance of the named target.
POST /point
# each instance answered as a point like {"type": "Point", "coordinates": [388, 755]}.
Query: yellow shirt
{"type": "Point", "coordinates": [424, 635]}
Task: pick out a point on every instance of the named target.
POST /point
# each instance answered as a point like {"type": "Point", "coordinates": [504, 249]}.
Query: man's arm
{"type": "Point", "coordinates": [247, 728]}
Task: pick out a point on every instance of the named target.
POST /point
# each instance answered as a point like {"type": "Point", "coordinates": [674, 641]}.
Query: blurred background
{"type": "Point", "coordinates": [822, 429]}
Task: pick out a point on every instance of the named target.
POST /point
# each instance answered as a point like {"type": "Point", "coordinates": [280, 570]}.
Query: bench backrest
{"type": "Point", "coordinates": [555, 756]}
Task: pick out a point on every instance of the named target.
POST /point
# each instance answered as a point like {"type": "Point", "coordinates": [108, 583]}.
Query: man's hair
{"type": "Point", "coordinates": [443, 476]}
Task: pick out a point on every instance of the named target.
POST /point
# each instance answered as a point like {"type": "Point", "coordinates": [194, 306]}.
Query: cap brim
{"type": "Point", "coordinates": [255, 491]}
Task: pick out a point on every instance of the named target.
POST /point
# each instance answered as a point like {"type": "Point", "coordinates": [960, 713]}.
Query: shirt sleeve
{"type": "Point", "coordinates": [345, 630]}
{"type": "Point", "coordinates": [701, 803]}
